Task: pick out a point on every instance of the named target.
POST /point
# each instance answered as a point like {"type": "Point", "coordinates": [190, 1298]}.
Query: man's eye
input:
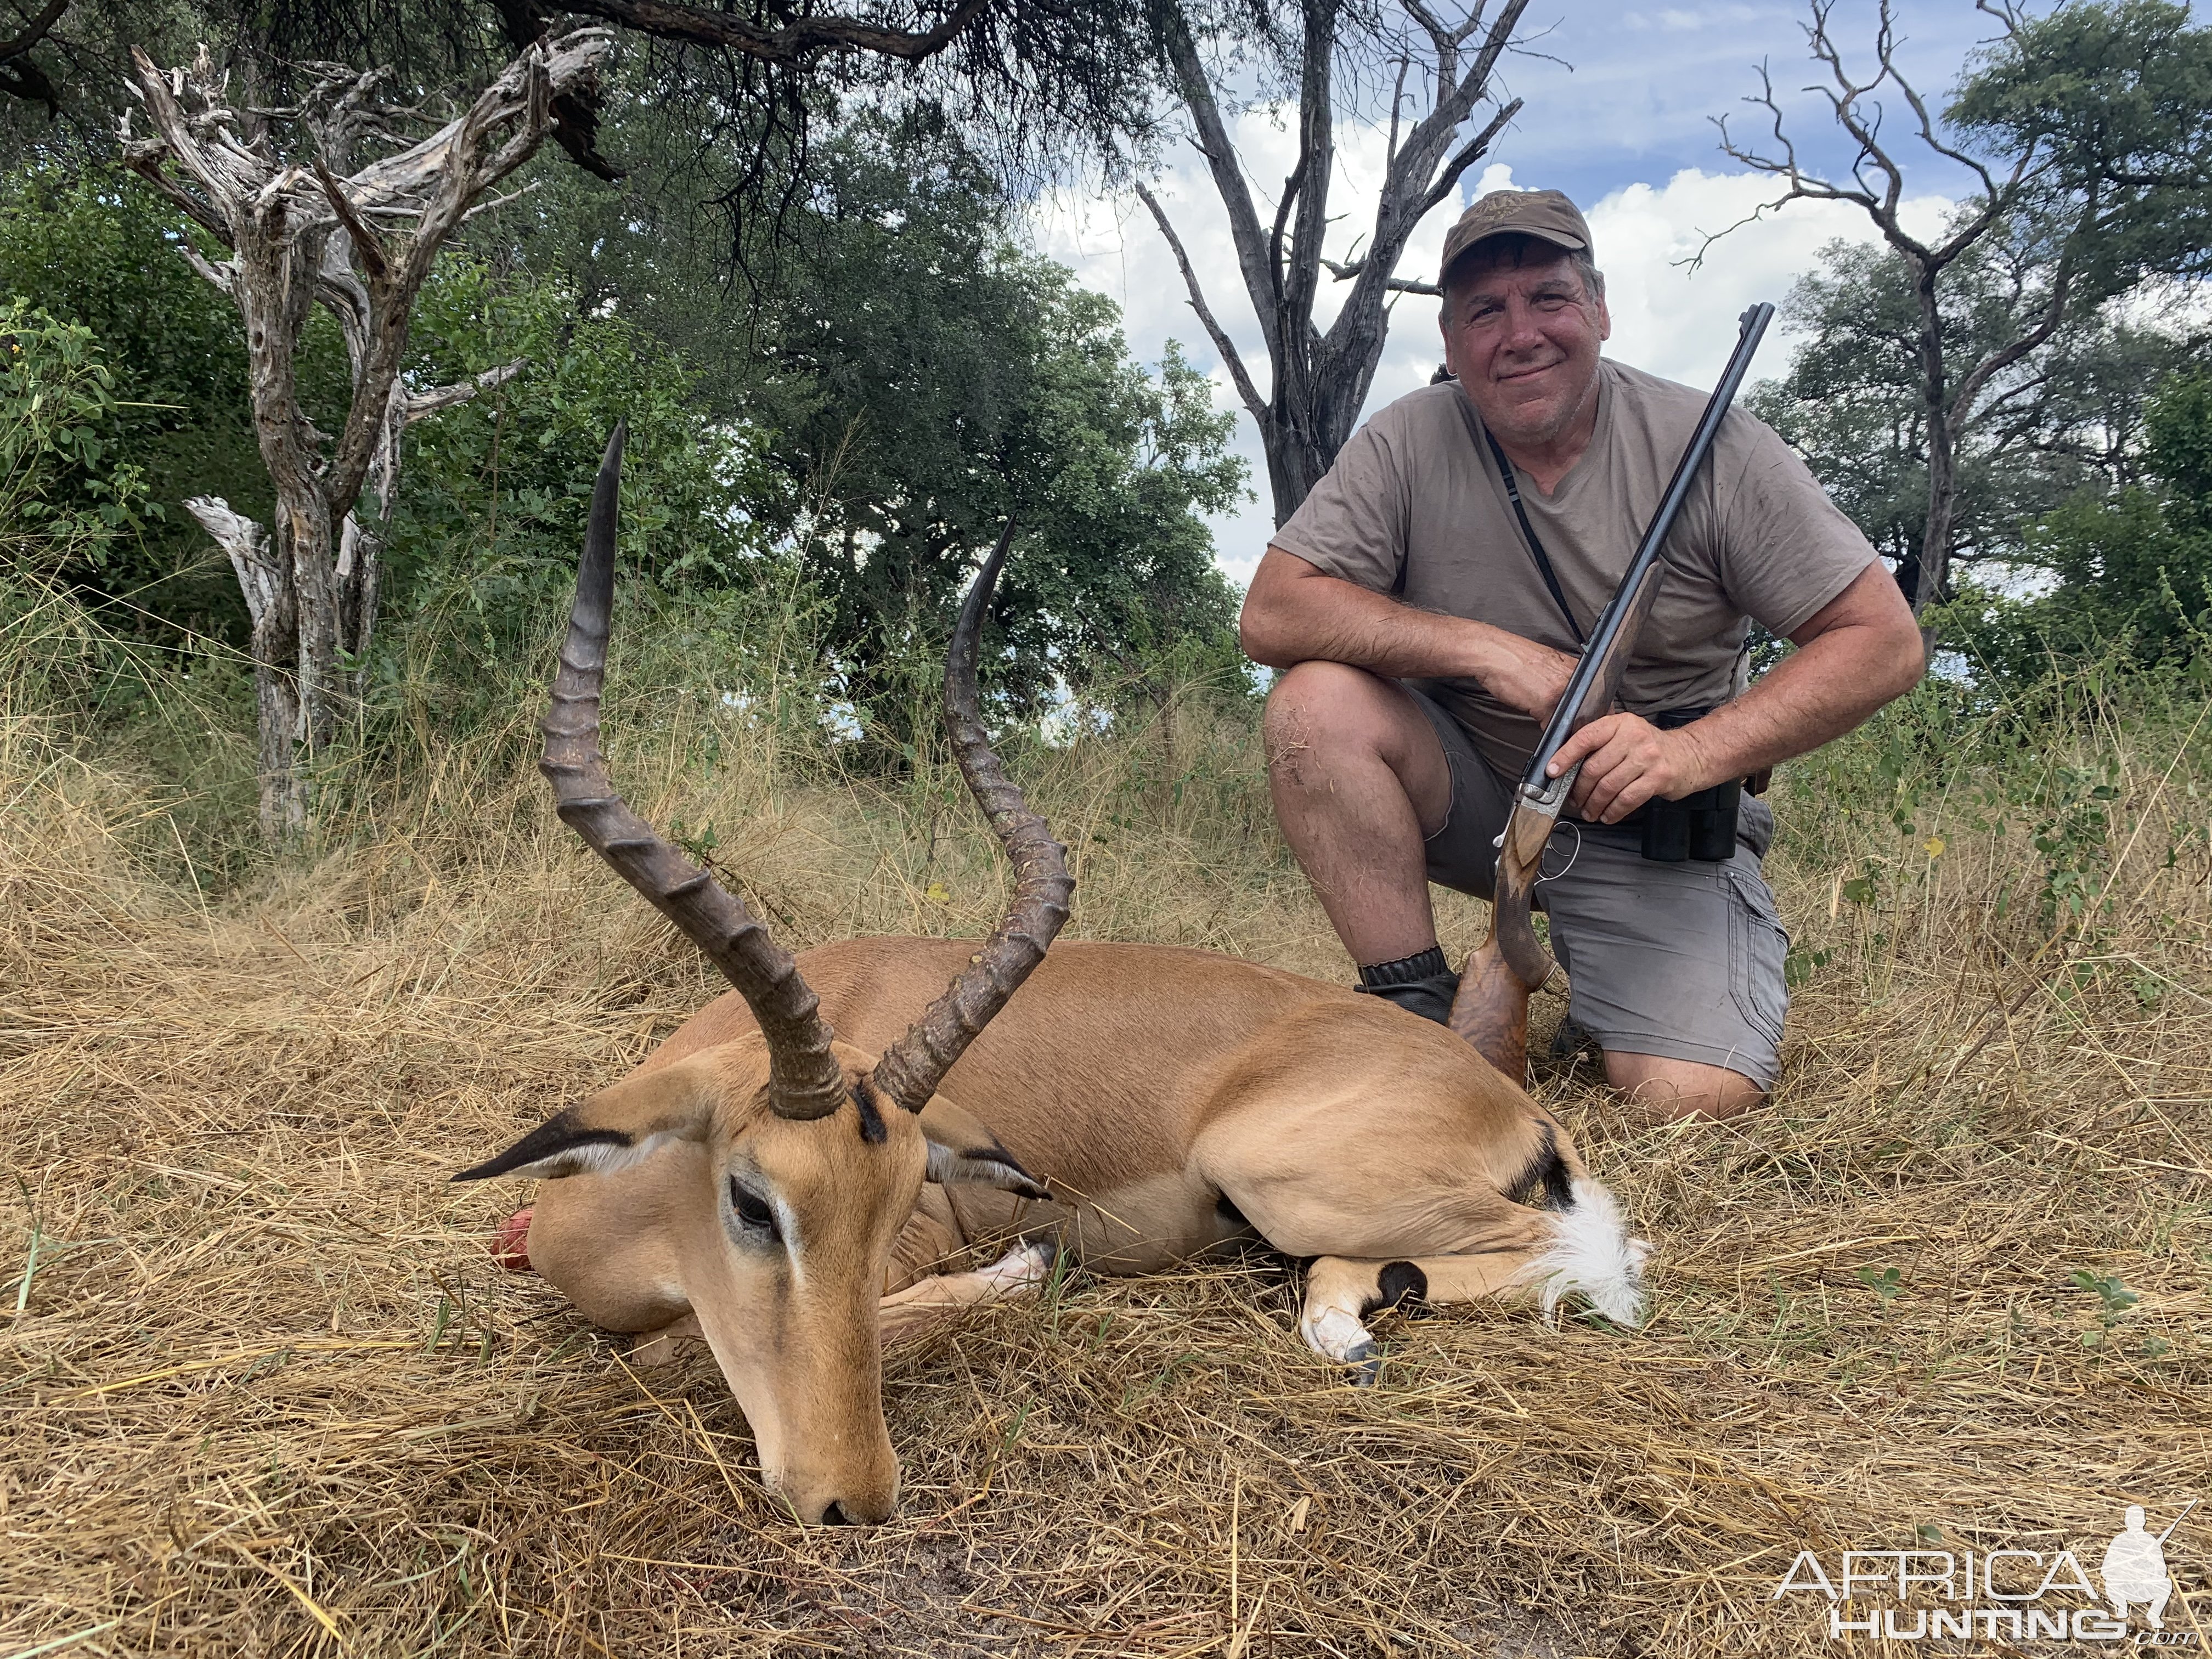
{"type": "Point", "coordinates": [752, 1209]}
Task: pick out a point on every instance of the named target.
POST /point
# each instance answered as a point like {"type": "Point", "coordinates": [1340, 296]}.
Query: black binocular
{"type": "Point", "coordinates": [1700, 826]}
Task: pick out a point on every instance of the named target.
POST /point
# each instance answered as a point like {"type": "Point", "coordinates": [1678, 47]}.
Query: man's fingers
{"type": "Point", "coordinates": [1607, 772]}
{"type": "Point", "coordinates": [1583, 744]}
{"type": "Point", "coordinates": [1630, 798]}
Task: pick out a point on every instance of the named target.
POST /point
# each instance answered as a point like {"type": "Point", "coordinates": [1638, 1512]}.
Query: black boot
{"type": "Point", "coordinates": [1420, 984]}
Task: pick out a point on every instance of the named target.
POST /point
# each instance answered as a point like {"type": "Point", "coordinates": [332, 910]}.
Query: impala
{"type": "Point", "coordinates": [785, 1175]}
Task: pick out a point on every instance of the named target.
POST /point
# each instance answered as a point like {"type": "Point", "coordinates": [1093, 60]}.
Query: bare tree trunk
{"type": "Point", "coordinates": [275, 684]}
{"type": "Point", "coordinates": [1319, 381]}
{"type": "Point", "coordinates": [1876, 184]}
{"type": "Point", "coordinates": [300, 236]}
{"type": "Point", "coordinates": [1942, 465]}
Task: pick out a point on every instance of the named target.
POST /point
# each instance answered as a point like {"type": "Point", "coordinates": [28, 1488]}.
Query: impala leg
{"type": "Point", "coordinates": [1021, 1271]}
{"type": "Point", "coordinates": [1341, 1291]}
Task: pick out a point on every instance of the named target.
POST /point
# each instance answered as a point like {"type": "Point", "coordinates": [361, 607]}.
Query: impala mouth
{"type": "Point", "coordinates": [510, 1245]}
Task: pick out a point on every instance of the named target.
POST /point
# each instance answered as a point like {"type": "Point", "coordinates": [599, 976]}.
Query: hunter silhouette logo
{"type": "Point", "coordinates": [2134, 1569]}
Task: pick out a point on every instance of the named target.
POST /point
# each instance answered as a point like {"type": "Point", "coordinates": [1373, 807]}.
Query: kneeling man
{"type": "Point", "coordinates": [1426, 603]}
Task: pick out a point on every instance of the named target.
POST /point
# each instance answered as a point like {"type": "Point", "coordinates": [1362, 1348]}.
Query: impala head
{"type": "Point", "coordinates": [802, 1156]}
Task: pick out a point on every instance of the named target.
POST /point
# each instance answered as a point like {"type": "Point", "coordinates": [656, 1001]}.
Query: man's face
{"type": "Point", "coordinates": [1523, 340]}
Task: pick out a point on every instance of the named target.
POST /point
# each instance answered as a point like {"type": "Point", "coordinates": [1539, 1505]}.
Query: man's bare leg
{"type": "Point", "coordinates": [1672, 1090]}
{"type": "Point", "coordinates": [1359, 783]}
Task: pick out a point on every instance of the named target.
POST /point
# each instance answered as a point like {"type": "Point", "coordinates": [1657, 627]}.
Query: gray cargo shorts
{"type": "Point", "coordinates": [1681, 960]}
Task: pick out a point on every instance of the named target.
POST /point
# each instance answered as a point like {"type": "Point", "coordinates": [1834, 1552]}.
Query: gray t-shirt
{"type": "Point", "coordinates": [1417, 488]}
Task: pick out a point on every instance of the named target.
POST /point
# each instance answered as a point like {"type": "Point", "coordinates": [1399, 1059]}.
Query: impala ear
{"type": "Point", "coordinates": [613, 1130]}
{"type": "Point", "coordinates": [962, 1151]}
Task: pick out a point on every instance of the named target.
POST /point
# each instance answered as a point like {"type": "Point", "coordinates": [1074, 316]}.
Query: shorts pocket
{"type": "Point", "coordinates": [1757, 947]}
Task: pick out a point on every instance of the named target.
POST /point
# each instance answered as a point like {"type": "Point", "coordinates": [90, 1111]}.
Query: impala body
{"type": "Point", "coordinates": [789, 1197]}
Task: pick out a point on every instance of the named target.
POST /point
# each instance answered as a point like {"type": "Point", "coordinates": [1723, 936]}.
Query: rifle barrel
{"type": "Point", "coordinates": [2177, 1521]}
{"type": "Point", "coordinates": [1596, 678]}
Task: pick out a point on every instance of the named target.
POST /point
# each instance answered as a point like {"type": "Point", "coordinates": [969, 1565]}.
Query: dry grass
{"type": "Point", "coordinates": [264, 1393]}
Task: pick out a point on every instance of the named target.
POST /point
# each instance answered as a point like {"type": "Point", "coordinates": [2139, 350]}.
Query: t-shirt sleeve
{"type": "Point", "coordinates": [1788, 549]}
{"type": "Point", "coordinates": [1353, 524]}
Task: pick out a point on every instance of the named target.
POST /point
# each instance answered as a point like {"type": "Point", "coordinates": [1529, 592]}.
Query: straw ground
{"type": "Point", "coordinates": [264, 1394]}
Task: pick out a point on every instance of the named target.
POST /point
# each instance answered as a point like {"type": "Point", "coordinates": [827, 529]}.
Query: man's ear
{"type": "Point", "coordinates": [961, 1149]}
{"type": "Point", "coordinates": [612, 1130]}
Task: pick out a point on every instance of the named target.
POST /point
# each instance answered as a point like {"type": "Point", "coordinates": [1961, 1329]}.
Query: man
{"type": "Point", "coordinates": [1425, 636]}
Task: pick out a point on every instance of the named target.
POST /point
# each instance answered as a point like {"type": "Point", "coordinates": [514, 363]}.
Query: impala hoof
{"type": "Point", "coordinates": [1365, 1364]}
{"type": "Point", "coordinates": [510, 1245]}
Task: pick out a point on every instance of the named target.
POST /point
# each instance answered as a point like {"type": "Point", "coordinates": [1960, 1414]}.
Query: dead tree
{"type": "Point", "coordinates": [359, 239]}
{"type": "Point", "coordinates": [1318, 381]}
{"type": "Point", "coordinates": [2044, 202]}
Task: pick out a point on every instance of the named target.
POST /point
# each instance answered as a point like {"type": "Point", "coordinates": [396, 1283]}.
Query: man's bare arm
{"type": "Point", "coordinates": [1295, 612]}
{"type": "Point", "coordinates": [1854, 654]}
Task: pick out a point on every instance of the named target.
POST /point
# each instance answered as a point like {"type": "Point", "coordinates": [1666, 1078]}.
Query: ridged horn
{"type": "Point", "coordinates": [912, 1067]}
{"type": "Point", "coordinates": [804, 1079]}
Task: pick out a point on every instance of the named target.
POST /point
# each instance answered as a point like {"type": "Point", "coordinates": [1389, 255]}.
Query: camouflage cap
{"type": "Point", "coordinates": [1544, 214]}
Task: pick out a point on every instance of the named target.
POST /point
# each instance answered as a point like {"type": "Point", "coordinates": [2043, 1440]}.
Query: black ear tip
{"type": "Point", "coordinates": [481, 1172]}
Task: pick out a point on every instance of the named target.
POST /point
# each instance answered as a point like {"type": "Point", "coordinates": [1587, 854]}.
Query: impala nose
{"type": "Point", "coordinates": [834, 1516]}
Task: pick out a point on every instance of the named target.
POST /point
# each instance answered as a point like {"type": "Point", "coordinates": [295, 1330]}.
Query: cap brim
{"type": "Point", "coordinates": [1558, 238]}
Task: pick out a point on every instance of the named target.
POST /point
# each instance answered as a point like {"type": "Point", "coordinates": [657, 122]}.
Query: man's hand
{"type": "Point", "coordinates": [1522, 674]}
{"type": "Point", "coordinates": [1854, 654]}
{"type": "Point", "coordinates": [1627, 761]}
{"type": "Point", "coordinates": [1294, 613]}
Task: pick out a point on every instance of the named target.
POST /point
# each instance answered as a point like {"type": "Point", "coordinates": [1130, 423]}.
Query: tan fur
{"type": "Point", "coordinates": [1148, 1085]}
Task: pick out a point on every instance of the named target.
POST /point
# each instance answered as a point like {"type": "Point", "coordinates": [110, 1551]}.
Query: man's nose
{"type": "Point", "coordinates": [1522, 333]}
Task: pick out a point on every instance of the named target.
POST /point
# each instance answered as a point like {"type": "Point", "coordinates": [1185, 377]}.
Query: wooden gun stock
{"type": "Point", "coordinates": [1491, 1010]}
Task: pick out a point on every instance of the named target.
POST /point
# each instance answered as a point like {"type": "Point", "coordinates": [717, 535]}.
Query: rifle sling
{"type": "Point", "coordinates": [1529, 531]}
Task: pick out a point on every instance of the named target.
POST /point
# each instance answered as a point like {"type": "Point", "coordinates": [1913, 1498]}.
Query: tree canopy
{"type": "Point", "coordinates": [899, 378]}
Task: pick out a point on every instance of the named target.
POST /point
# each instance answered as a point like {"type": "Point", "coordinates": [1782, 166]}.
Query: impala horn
{"type": "Point", "coordinates": [912, 1067]}
{"type": "Point", "coordinates": [804, 1080]}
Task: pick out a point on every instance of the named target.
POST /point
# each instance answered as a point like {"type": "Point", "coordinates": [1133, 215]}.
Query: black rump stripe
{"type": "Point", "coordinates": [1544, 1184]}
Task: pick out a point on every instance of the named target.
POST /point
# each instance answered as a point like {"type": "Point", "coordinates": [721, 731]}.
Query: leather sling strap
{"type": "Point", "coordinates": [1529, 531]}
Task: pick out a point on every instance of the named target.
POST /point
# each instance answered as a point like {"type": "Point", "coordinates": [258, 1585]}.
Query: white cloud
{"type": "Point", "coordinates": [1668, 319]}
{"type": "Point", "coordinates": [1680, 322]}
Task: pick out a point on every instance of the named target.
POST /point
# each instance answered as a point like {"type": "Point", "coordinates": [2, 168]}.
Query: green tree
{"type": "Point", "coordinates": [87, 247]}
{"type": "Point", "coordinates": [496, 488]}
{"type": "Point", "coordinates": [915, 378]}
{"type": "Point", "coordinates": [70, 501]}
{"type": "Point", "coordinates": [2066, 417]}
{"type": "Point", "coordinates": [2131, 567]}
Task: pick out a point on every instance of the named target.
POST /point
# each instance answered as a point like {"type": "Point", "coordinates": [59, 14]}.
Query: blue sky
{"type": "Point", "coordinates": [1634, 103]}
{"type": "Point", "coordinates": [1623, 123]}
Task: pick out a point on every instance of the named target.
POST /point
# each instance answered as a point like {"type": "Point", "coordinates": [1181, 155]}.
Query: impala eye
{"type": "Point", "coordinates": [753, 1211]}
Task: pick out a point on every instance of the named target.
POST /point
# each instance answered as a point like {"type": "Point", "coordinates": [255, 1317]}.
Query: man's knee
{"type": "Point", "coordinates": [1681, 1089]}
{"type": "Point", "coordinates": [1319, 713]}
{"type": "Point", "coordinates": [1320, 709]}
